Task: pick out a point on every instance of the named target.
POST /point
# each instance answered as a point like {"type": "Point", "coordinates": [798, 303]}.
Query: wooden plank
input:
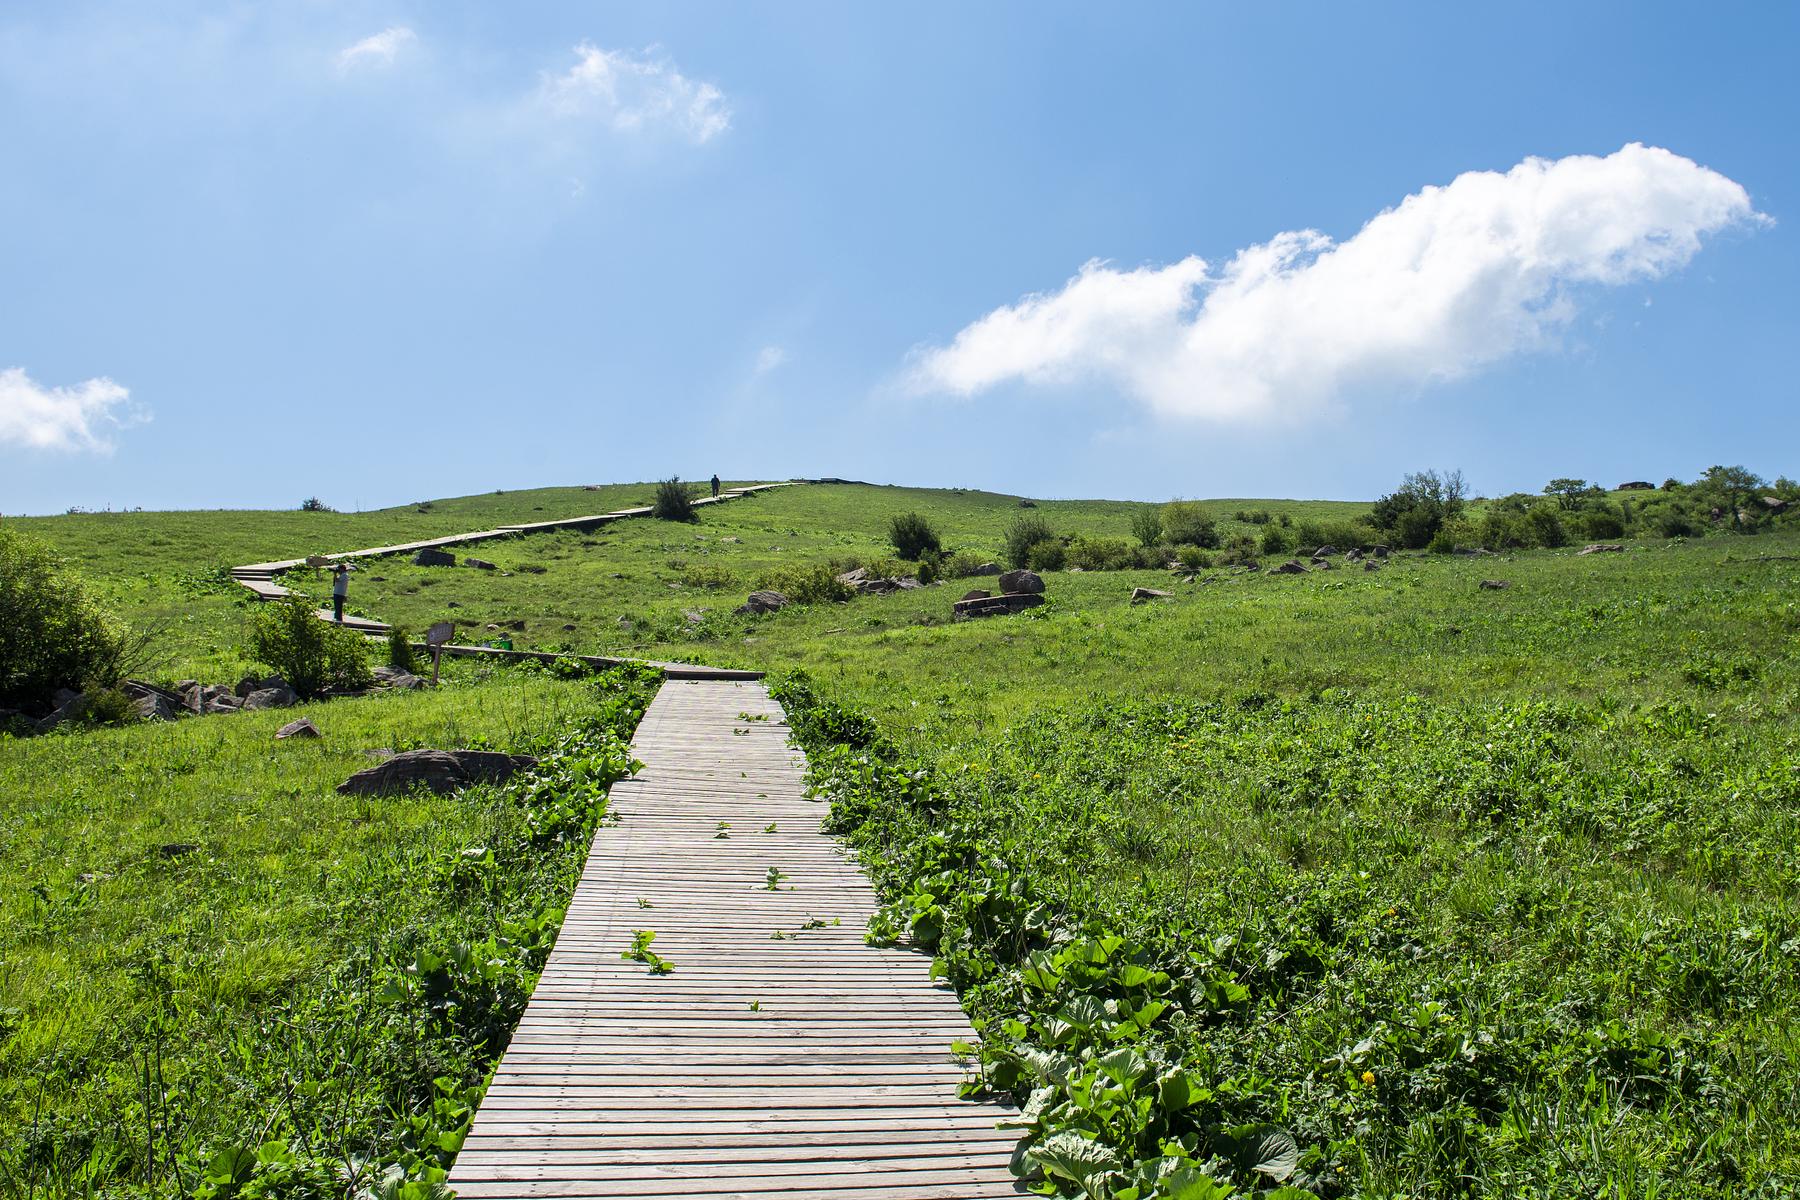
{"type": "Point", "coordinates": [840, 1082]}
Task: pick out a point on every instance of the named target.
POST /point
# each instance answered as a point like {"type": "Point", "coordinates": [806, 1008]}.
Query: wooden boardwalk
{"type": "Point", "coordinates": [782, 1059]}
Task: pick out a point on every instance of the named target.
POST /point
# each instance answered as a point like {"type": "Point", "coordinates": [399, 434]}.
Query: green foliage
{"type": "Point", "coordinates": [1103, 553]}
{"type": "Point", "coordinates": [1310, 534]}
{"type": "Point", "coordinates": [1022, 535]}
{"type": "Point", "coordinates": [1193, 558]}
{"type": "Point", "coordinates": [912, 537]}
{"type": "Point", "coordinates": [313, 504]}
{"type": "Point", "coordinates": [814, 584]}
{"type": "Point", "coordinates": [674, 501]}
{"type": "Point", "coordinates": [962, 564]}
{"type": "Point", "coordinates": [1189, 523]}
{"type": "Point", "coordinates": [1414, 514]}
{"type": "Point", "coordinates": [1146, 525]}
{"type": "Point", "coordinates": [708, 577]}
{"type": "Point", "coordinates": [1276, 539]}
{"type": "Point", "coordinates": [400, 650]}
{"type": "Point", "coordinates": [1047, 555]}
{"type": "Point", "coordinates": [312, 655]}
{"type": "Point", "coordinates": [52, 632]}
{"type": "Point", "coordinates": [1570, 493]}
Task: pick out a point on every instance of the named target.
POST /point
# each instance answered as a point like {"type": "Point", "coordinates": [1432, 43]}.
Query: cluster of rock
{"type": "Point", "coordinates": [1019, 590]}
{"type": "Point", "coordinates": [762, 602]}
{"type": "Point", "coordinates": [865, 584]}
{"type": "Point", "coordinates": [1371, 558]}
{"type": "Point", "coordinates": [191, 698]}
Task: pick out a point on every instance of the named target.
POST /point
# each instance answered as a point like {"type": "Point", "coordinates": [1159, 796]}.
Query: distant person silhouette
{"type": "Point", "coordinates": [340, 587]}
{"type": "Point", "coordinates": [715, 483]}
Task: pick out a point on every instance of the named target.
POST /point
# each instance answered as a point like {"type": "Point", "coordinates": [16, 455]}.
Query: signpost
{"type": "Point", "coordinates": [437, 637]}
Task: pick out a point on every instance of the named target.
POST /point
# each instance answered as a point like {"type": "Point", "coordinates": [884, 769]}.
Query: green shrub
{"type": "Point", "coordinates": [913, 537]}
{"type": "Point", "coordinates": [816, 584]}
{"type": "Point", "coordinates": [1102, 554]}
{"type": "Point", "coordinates": [1276, 540]}
{"type": "Point", "coordinates": [1673, 522]}
{"type": "Point", "coordinates": [1600, 524]}
{"type": "Point", "coordinates": [1416, 527]}
{"type": "Point", "coordinates": [1050, 555]}
{"type": "Point", "coordinates": [1443, 541]}
{"type": "Point", "coordinates": [1146, 525]}
{"type": "Point", "coordinates": [1546, 526]}
{"type": "Point", "coordinates": [1506, 528]}
{"type": "Point", "coordinates": [674, 501]}
{"type": "Point", "coordinates": [1255, 516]}
{"type": "Point", "coordinates": [52, 633]}
{"type": "Point", "coordinates": [1187, 523]}
{"type": "Point", "coordinates": [962, 565]}
{"type": "Point", "coordinates": [310, 654]}
{"type": "Point", "coordinates": [109, 706]}
{"type": "Point", "coordinates": [1194, 558]}
{"type": "Point", "coordinates": [1022, 535]}
{"type": "Point", "coordinates": [711, 578]}
{"type": "Point", "coordinates": [400, 651]}
{"type": "Point", "coordinates": [1310, 534]}
{"type": "Point", "coordinates": [314, 504]}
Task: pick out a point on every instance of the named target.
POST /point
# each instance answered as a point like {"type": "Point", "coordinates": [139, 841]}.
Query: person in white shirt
{"type": "Point", "coordinates": [340, 587]}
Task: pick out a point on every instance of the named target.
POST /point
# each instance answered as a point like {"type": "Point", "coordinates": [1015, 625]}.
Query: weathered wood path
{"type": "Point", "coordinates": [782, 1059]}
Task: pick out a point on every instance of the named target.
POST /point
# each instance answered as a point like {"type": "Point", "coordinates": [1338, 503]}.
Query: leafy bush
{"type": "Point", "coordinates": [309, 653]}
{"type": "Point", "coordinates": [913, 537]}
{"type": "Point", "coordinates": [816, 584]}
{"type": "Point", "coordinates": [400, 651]}
{"type": "Point", "coordinates": [1194, 558]}
{"type": "Point", "coordinates": [1418, 509]}
{"type": "Point", "coordinates": [1673, 522]}
{"type": "Point", "coordinates": [52, 633]}
{"type": "Point", "coordinates": [1188, 523]}
{"type": "Point", "coordinates": [962, 564]}
{"type": "Point", "coordinates": [314, 504]}
{"type": "Point", "coordinates": [1600, 524]}
{"type": "Point", "coordinates": [1050, 555]}
{"type": "Point", "coordinates": [674, 501]}
{"type": "Point", "coordinates": [1311, 533]}
{"type": "Point", "coordinates": [1276, 539]}
{"type": "Point", "coordinates": [708, 577]}
{"type": "Point", "coordinates": [1255, 516]}
{"type": "Point", "coordinates": [1102, 554]}
{"type": "Point", "coordinates": [1024, 533]}
{"type": "Point", "coordinates": [1546, 526]}
{"type": "Point", "coordinates": [1146, 525]}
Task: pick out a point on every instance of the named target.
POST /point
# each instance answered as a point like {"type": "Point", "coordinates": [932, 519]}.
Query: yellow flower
{"type": "Point", "coordinates": [1368, 1078]}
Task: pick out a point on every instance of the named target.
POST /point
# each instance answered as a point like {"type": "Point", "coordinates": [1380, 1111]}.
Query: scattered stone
{"type": "Point", "coordinates": [976, 594]}
{"type": "Point", "coordinates": [1187, 579]}
{"type": "Point", "coordinates": [480, 564]}
{"type": "Point", "coordinates": [452, 604]}
{"type": "Point", "coordinates": [177, 849]}
{"type": "Point", "coordinates": [1324, 551]}
{"type": "Point", "coordinates": [907, 583]}
{"type": "Point", "coordinates": [302, 728]}
{"type": "Point", "coordinates": [1021, 582]}
{"type": "Point", "coordinates": [626, 625]}
{"type": "Point", "coordinates": [1141, 594]}
{"type": "Point", "coordinates": [246, 685]}
{"type": "Point", "coordinates": [1291, 567]}
{"type": "Point", "coordinates": [1322, 564]}
{"type": "Point", "coordinates": [763, 602]}
{"type": "Point", "coordinates": [1495, 585]}
{"type": "Point", "coordinates": [1379, 551]}
{"type": "Point", "coordinates": [222, 704]}
{"type": "Point", "coordinates": [1371, 565]}
{"type": "Point", "coordinates": [1775, 504]}
{"type": "Point", "coordinates": [441, 771]}
{"type": "Point", "coordinates": [1076, 570]}
{"type": "Point", "coordinates": [429, 557]}
{"type": "Point", "coordinates": [1352, 554]}
{"type": "Point", "coordinates": [1601, 548]}
{"type": "Point", "coordinates": [693, 616]}
{"type": "Point", "coordinates": [153, 706]}
{"type": "Point", "coordinates": [987, 569]}
{"type": "Point", "coordinates": [731, 541]}
{"type": "Point", "coordinates": [1028, 504]}
{"type": "Point", "coordinates": [569, 628]}
{"type": "Point", "coordinates": [994, 606]}
{"type": "Point", "coordinates": [270, 697]}
{"type": "Point", "coordinates": [533, 568]}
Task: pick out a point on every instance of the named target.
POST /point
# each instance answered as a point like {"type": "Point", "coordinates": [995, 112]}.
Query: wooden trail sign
{"type": "Point", "coordinates": [437, 637]}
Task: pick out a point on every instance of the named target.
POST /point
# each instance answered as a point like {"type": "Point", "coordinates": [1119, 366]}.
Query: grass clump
{"type": "Point", "coordinates": [674, 501]}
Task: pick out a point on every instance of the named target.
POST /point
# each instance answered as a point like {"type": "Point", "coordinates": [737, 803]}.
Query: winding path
{"type": "Point", "coordinates": [782, 1058]}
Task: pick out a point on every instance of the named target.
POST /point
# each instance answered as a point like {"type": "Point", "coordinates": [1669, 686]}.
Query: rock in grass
{"type": "Point", "coordinates": [1139, 595]}
{"type": "Point", "coordinates": [763, 602]}
{"type": "Point", "coordinates": [976, 594]}
{"type": "Point", "coordinates": [994, 606]}
{"type": "Point", "coordinates": [1028, 583]}
{"type": "Point", "coordinates": [480, 564]}
{"type": "Point", "coordinates": [1601, 548]}
{"type": "Point", "coordinates": [270, 697]}
{"type": "Point", "coordinates": [429, 557]}
{"type": "Point", "coordinates": [441, 771]}
{"type": "Point", "coordinates": [1371, 565]}
{"type": "Point", "coordinates": [1291, 567]}
{"type": "Point", "coordinates": [302, 728]}
{"type": "Point", "coordinates": [154, 706]}
{"type": "Point", "coordinates": [1495, 585]}
{"type": "Point", "coordinates": [987, 569]}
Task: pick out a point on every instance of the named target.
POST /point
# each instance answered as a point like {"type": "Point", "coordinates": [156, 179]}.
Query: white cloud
{"type": "Point", "coordinates": [376, 50]}
{"type": "Point", "coordinates": [1454, 278]}
{"type": "Point", "coordinates": [83, 417]}
{"type": "Point", "coordinates": [770, 357]}
{"type": "Point", "coordinates": [635, 92]}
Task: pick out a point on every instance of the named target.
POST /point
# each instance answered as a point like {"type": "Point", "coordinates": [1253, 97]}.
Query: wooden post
{"type": "Point", "coordinates": [436, 637]}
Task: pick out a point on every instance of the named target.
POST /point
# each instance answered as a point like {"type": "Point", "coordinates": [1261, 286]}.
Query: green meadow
{"type": "Point", "coordinates": [1415, 887]}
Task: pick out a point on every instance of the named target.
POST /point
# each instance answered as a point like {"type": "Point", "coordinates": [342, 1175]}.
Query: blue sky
{"type": "Point", "coordinates": [376, 252]}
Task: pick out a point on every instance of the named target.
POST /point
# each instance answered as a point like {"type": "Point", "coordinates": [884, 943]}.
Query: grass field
{"type": "Point", "coordinates": [1473, 892]}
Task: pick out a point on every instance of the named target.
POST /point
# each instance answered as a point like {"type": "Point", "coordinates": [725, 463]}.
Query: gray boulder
{"type": "Point", "coordinates": [1290, 567]}
{"type": "Point", "coordinates": [272, 697]}
{"type": "Point", "coordinates": [302, 728]}
{"type": "Point", "coordinates": [154, 706]}
{"type": "Point", "coordinates": [994, 606]}
{"type": "Point", "coordinates": [1141, 594]}
{"type": "Point", "coordinates": [1601, 548]}
{"type": "Point", "coordinates": [480, 564]}
{"type": "Point", "coordinates": [1371, 565]}
{"type": "Point", "coordinates": [441, 771]}
{"type": "Point", "coordinates": [246, 685]}
{"type": "Point", "coordinates": [1494, 585]}
{"type": "Point", "coordinates": [987, 569]}
{"type": "Point", "coordinates": [1324, 551]}
{"type": "Point", "coordinates": [976, 594]}
{"type": "Point", "coordinates": [433, 558]}
{"type": "Point", "coordinates": [763, 602]}
{"type": "Point", "coordinates": [1021, 583]}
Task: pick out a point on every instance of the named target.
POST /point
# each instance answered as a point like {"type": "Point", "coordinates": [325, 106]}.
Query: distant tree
{"type": "Point", "coordinates": [1146, 525]}
{"type": "Point", "coordinates": [1416, 512]}
{"type": "Point", "coordinates": [913, 537]}
{"type": "Point", "coordinates": [314, 504]}
{"type": "Point", "coordinates": [1570, 493]}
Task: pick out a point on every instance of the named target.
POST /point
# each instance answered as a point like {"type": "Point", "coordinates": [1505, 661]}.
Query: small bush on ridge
{"type": "Point", "coordinates": [913, 537]}
{"type": "Point", "coordinates": [1022, 535]}
{"type": "Point", "coordinates": [674, 501]}
{"type": "Point", "coordinates": [1188, 523]}
{"type": "Point", "coordinates": [1146, 525]}
{"type": "Point", "coordinates": [309, 653]}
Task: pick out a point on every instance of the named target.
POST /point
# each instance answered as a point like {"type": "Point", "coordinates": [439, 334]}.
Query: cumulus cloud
{"type": "Point", "coordinates": [376, 50]}
{"type": "Point", "coordinates": [770, 357]}
{"type": "Point", "coordinates": [636, 92]}
{"type": "Point", "coordinates": [1452, 279]}
{"type": "Point", "coordinates": [83, 417]}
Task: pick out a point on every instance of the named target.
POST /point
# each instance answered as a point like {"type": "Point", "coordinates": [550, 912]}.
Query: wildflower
{"type": "Point", "coordinates": [1368, 1078]}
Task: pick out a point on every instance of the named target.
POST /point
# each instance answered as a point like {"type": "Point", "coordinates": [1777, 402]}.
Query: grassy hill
{"type": "Point", "coordinates": [1477, 891]}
